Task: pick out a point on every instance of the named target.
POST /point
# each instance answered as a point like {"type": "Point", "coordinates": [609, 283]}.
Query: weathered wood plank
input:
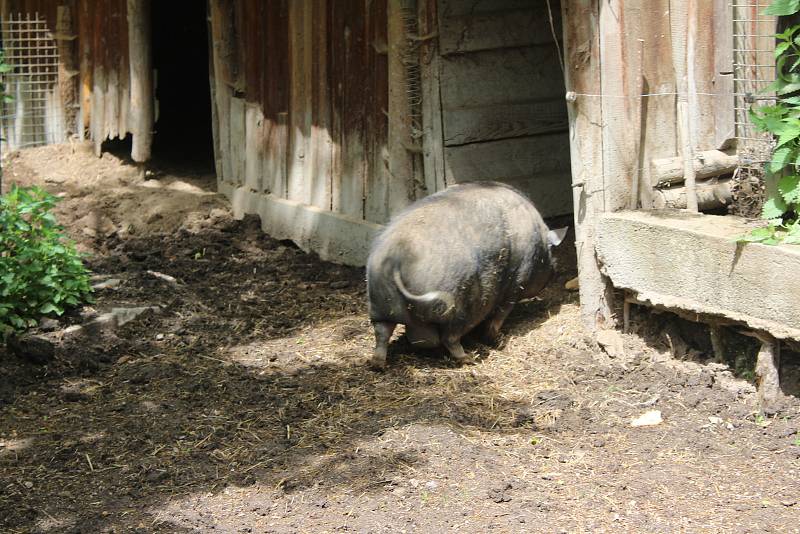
{"type": "Point", "coordinates": [349, 115]}
{"type": "Point", "coordinates": [461, 8]}
{"type": "Point", "coordinates": [275, 94]}
{"type": "Point", "coordinates": [432, 130]}
{"type": "Point", "coordinates": [538, 166]}
{"type": "Point", "coordinates": [509, 159]}
{"type": "Point", "coordinates": [85, 65]}
{"type": "Point", "coordinates": [299, 187]}
{"type": "Point", "coordinates": [98, 108]}
{"type": "Point", "coordinates": [220, 24]}
{"type": "Point", "coordinates": [620, 75]}
{"type": "Point", "coordinates": [501, 121]}
{"type": "Point", "coordinates": [390, 191]}
{"type": "Point", "coordinates": [275, 155]}
{"type": "Point", "coordinates": [722, 84]}
{"type": "Point", "coordinates": [319, 104]}
{"type": "Point", "coordinates": [237, 140]}
{"type": "Point", "coordinates": [659, 138]}
{"type": "Point", "coordinates": [141, 78]}
{"type": "Point", "coordinates": [124, 82]}
{"type": "Point", "coordinates": [497, 29]}
{"type": "Point", "coordinates": [254, 143]}
{"type": "Point", "coordinates": [495, 77]}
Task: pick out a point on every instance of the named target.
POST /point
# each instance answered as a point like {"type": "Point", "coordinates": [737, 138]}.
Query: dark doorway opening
{"type": "Point", "coordinates": [183, 130]}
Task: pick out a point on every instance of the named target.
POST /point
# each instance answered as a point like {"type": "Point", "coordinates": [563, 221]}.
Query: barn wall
{"type": "Point", "coordinates": [502, 95]}
{"type": "Point", "coordinates": [300, 99]}
{"type": "Point", "coordinates": [625, 95]}
{"type": "Point", "coordinates": [94, 84]}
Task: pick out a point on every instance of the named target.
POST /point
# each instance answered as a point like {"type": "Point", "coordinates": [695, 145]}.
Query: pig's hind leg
{"type": "Point", "coordinates": [383, 333]}
{"type": "Point", "coordinates": [452, 342]}
{"type": "Point", "coordinates": [495, 322]}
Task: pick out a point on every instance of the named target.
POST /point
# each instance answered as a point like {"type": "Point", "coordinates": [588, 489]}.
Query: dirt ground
{"type": "Point", "coordinates": [244, 403]}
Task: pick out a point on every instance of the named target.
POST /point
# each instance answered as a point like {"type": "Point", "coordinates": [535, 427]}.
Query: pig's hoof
{"type": "Point", "coordinates": [378, 364]}
{"type": "Point", "coordinates": [467, 359]}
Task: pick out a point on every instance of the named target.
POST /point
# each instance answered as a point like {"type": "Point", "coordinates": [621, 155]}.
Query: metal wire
{"type": "Point", "coordinates": [753, 70]}
{"type": "Point", "coordinates": [32, 53]}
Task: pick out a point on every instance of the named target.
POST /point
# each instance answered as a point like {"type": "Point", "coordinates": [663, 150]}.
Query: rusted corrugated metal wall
{"type": "Point", "coordinates": [301, 92]}
{"type": "Point", "coordinates": [94, 75]}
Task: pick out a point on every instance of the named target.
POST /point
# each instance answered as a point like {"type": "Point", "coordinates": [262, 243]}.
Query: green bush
{"type": "Point", "coordinates": [41, 273]}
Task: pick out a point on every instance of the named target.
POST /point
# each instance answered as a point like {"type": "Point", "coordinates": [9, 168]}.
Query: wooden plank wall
{"type": "Point", "coordinates": [305, 117]}
{"type": "Point", "coordinates": [502, 93]}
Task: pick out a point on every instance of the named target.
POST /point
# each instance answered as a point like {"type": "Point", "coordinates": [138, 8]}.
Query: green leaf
{"type": "Point", "coordinates": [789, 187]}
{"type": "Point", "coordinates": [774, 208]}
{"type": "Point", "coordinates": [780, 158]}
{"type": "Point", "coordinates": [781, 48]}
{"type": "Point", "coordinates": [48, 308]}
{"type": "Point", "coordinates": [757, 235]}
{"type": "Point", "coordinates": [782, 7]}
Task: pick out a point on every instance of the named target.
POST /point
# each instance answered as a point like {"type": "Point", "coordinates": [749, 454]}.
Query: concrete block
{"type": "Point", "coordinates": [335, 237]}
{"type": "Point", "coordinates": [692, 262]}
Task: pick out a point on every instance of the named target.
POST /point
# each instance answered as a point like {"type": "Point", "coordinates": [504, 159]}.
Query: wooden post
{"type": "Point", "coordinates": [581, 19]}
{"type": "Point", "coordinates": [433, 137]}
{"type": "Point", "coordinates": [768, 378]}
{"type": "Point", "coordinates": [399, 160]}
{"type": "Point", "coordinates": [682, 24]}
{"type": "Point", "coordinates": [141, 62]}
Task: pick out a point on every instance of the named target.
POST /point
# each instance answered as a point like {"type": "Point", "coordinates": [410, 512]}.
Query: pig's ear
{"type": "Point", "coordinates": [555, 237]}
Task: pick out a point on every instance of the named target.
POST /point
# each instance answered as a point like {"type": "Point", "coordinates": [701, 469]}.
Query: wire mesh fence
{"type": "Point", "coordinates": [753, 71]}
{"type": "Point", "coordinates": [30, 118]}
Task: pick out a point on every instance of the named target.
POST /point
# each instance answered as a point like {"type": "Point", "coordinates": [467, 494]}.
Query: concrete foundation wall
{"type": "Point", "coordinates": [692, 262]}
{"type": "Point", "coordinates": [336, 238]}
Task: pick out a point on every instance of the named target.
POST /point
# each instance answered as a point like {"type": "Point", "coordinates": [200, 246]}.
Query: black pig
{"type": "Point", "coordinates": [454, 260]}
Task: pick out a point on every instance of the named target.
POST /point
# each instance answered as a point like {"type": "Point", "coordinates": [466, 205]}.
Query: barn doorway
{"type": "Point", "coordinates": [183, 131]}
{"type": "Point", "coordinates": [501, 82]}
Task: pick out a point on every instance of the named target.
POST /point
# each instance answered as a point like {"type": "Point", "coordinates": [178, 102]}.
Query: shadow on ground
{"type": "Point", "coordinates": [253, 372]}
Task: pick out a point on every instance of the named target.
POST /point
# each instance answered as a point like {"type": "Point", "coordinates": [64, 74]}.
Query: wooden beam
{"type": "Point", "coordinates": [141, 78]}
{"type": "Point", "coordinates": [707, 164]}
{"type": "Point", "coordinates": [710, 195]}
{"type": "Point", "coordinates": [582, 72]}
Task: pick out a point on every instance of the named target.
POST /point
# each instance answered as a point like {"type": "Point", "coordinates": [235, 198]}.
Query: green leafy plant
{"type": "Point", "coordinates": [41, 273]}
{"type": "Point", "coordinates": [782, 120]}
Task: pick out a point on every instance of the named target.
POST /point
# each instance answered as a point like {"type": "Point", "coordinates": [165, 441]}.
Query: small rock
{"type": "Point", "coordinates": [36, 349]}
{"type": "Point", "coordinates": [28, 484]}
{"type": "Point", "coordinates": [156, 476]}
{"type": "Point", "coordinates": [500, 493]}
{"type": "Point", "coordinates": [339, 284]}
{"type": "Point", "coordinates": [159, 337]}
{"type": "Point", "coordinates": [431, 485]}
{"type": "Point", "coordinates": [611, 341]}
{"type": "Point", "coordinates": [572, 285]}
{"type": "Point", "coordinates": [650, 418]}
{"type": "Point", "coordinates": [599, 442]}
{"type": "Point", "coordinates": [111, 283]}
{"type": "Point", "coordinates": [715, 420]}
{"type": "Point", "coordinates": [48, 325]}
{"type": "Point", "coordinates": [788, 503]}
{"type": "Point", "coordinates": [73, 394]}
